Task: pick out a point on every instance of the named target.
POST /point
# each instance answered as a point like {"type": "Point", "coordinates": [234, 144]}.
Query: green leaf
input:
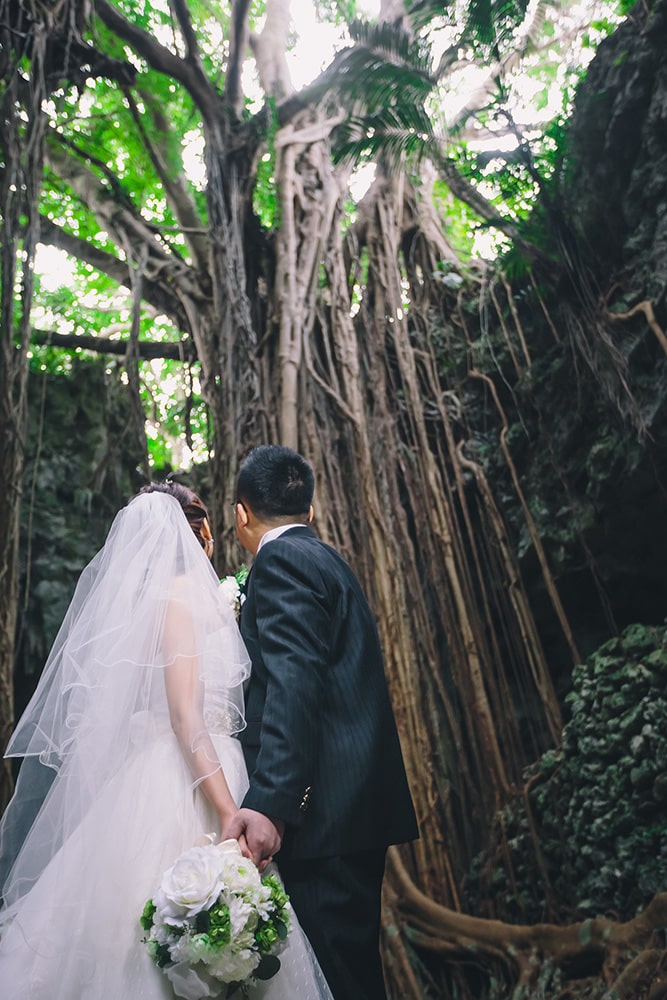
{"type": "Point", "coordinates": [267, 968]}
{"type": "Point", "coordinates": [146, 919]}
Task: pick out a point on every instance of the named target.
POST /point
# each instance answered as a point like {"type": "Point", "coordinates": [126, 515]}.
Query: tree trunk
{"type": "Point", "coordinates": [20, 184]}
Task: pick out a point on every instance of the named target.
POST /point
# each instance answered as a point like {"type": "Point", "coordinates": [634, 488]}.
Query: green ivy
{"type": "Point", "coordinates": [599, 802]}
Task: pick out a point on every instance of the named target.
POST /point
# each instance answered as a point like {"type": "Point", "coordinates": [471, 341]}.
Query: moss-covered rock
{"type": "Point", "coordinates": [589, 834]}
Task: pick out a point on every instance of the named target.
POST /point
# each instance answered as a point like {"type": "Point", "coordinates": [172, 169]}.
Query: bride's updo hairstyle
{"type": "Point", "coordinates": [193, 508]}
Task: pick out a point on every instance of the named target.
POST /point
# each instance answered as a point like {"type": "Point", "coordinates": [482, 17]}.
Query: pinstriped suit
{"type": "Point", "coordinates": [322, 749]}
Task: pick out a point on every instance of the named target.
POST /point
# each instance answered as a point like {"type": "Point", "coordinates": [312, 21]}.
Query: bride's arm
{"type": "Point", "coordinates": [185, 697]}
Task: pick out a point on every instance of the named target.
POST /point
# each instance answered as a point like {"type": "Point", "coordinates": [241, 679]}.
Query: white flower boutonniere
{"type": "Point", "coordinates": [232, 588]}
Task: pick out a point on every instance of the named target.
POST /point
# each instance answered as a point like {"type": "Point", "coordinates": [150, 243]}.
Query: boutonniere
{"type": "Point", "coordinates": [233, 587]}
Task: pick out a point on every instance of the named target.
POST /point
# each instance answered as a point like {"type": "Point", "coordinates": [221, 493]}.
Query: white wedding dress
{"type": "Point", "coordinates": [76, 934]}
{"type": "Point", "coordinates": [126, 799]}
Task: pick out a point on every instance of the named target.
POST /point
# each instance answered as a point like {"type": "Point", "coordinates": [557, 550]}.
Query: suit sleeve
{"type": "Point", "coordinates": [294, 624]}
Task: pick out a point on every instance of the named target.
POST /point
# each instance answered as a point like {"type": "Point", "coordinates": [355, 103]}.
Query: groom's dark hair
{"type": "Point", "coordinates": [276, 482]}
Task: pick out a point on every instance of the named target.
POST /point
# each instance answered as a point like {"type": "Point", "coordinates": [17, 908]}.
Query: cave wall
{"type": "Point", "coordinates": [614, 184]}
{"type": "Point", "coordinates": [588, 418]}
{"type": "Point", "coordinates": [615, 177]}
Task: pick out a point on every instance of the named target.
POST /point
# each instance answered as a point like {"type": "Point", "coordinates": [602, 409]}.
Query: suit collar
{"type": "Point", "coordinates": [279, 530]}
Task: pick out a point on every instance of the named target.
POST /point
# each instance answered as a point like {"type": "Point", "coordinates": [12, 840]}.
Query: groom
{"type": "Point", "coordinates": [327, 783]}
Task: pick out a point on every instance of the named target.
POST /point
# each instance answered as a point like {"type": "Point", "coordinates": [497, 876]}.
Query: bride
{"type": "Point", "coordinates": [135, 715]}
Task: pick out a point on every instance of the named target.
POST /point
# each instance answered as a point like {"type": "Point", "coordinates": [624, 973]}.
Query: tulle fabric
{"type": "Point", "coordinates": [76, 934]}
{"type": "Point", "coordinates": [147, 616]}
{"type": "Point", "coordinates": [137, 704]}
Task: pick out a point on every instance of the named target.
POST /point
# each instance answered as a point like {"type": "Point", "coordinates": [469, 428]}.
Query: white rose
{"type": "Point", "coordinates": [234, 968]}
{"type": "Point", "coordinates": [243, 876]}
{"type": "Point", "coordinates": [191, 949]}
{"type": "Point", "coordinates": [193, 883]}
{"type": "Point", "coordinates": [230, 590]}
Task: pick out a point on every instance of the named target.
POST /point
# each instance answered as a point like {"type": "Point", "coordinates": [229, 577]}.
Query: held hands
{"type": "Point", "coordinates": [258, 835]}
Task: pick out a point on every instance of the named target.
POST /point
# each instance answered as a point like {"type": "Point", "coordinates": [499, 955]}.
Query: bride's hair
{"type": "Point", "coordinates": [194, 509]}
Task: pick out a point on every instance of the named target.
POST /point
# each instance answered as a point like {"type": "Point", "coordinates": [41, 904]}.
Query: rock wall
{"type": "Point", "coordinates": [615, 180]}
{"type": "Point", "coordinates": [588, 422]}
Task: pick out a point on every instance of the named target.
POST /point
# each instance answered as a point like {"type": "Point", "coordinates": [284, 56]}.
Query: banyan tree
{"type": "Point", "coordinates": [359, 337]}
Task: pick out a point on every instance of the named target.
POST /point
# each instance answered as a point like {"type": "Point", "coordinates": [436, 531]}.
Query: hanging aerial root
{"type": "Point", "coordinates": [645, 307]}
{"type": "Point", "coordinates": [547, 575]}
{"type": "Point", "coordinates": [396, 958]}
{"type": "Point", "coordinates": [639, 974]}
{"type": "Point", "coordinates": [459, 935]}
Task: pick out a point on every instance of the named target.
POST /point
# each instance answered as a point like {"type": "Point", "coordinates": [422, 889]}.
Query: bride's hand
{"type": "Point", "coordinates": [247, 853]}
{"type": "Point", "coordinates": [243, 845]}
{"type": "Point", "coordinates": [226, 834]}
{"type": "Point", "coordinates": [263, 834]}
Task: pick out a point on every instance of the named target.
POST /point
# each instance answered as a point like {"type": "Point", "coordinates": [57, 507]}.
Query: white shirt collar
{"type": "Point", "coordinates": [277, 532]}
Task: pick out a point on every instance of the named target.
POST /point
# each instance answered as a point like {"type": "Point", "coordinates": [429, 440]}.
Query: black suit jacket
{"type": "Point", "coordinates": [320, 743]}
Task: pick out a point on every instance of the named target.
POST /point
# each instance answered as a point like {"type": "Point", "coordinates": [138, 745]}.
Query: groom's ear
{"type": "Point", "coordinates": [242, 518]}
{"type": "Point", "coordinates": [311, 514]}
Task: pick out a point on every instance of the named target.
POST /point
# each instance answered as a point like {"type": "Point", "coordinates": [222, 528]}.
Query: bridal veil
{"type": "Point", "coordinates": [147, 606]}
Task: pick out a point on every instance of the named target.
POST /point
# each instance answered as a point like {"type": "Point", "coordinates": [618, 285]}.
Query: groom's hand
{"type": "Point", "coordinates": [263, 835]}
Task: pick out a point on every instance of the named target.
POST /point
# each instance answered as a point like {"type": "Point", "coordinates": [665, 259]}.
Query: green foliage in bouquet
{"type": "Point", "coordinates": [589, 834]}
{"type": "Point", "coordinates": [215, 923]}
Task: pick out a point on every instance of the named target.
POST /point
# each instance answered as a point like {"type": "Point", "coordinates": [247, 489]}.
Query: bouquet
{"type": "Point", "coordinates": [215, 925]}
{"type": "Point", "coordinates": [232, 587]}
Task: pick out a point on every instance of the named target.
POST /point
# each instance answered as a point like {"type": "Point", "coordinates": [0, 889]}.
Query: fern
{"type": "Point", "coordinates": [395, 44]}
{"type": "Point", "coordinates": [491, 24]}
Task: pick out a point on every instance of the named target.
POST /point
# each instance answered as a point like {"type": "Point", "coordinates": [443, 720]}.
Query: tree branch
{"type": "Point", "coordinates": [524, 37]}
{"type": "Point", "coordinates": [468, 194]}
{"type": "Point", "coordinates": [117, 216]}
{"type": "Point", "coordinates": [466, 934]}
{"type": "Point", "coordinates": [160, 297]}
{"type": "Point", "coordinates": [178, 196]}
{"type": "Point", "coordinates": [447, 61]}
{"type": "Point", "coordinates": [109, 203]}
{"type": "Point", "coordinates": [645, 307]}
{"type": "Point", "coordinates": [146, 350]}
{"type": "Point", "coordinates": [101, 260]}
{"type": "Point", "coordinates": [238, 43]}
{"type": "Point", "coordinates": [183, 17]}
{"type": "Point", "coordinates": [157, 55]}
{"type": "Point", "coordinates": [160, 58]}
{"type": "Point", "coordinates": [97, 64]}
{"type": "Point", "coordinates": [269, 49]}
{"type": "Point", "coordinates": [120, 195]}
